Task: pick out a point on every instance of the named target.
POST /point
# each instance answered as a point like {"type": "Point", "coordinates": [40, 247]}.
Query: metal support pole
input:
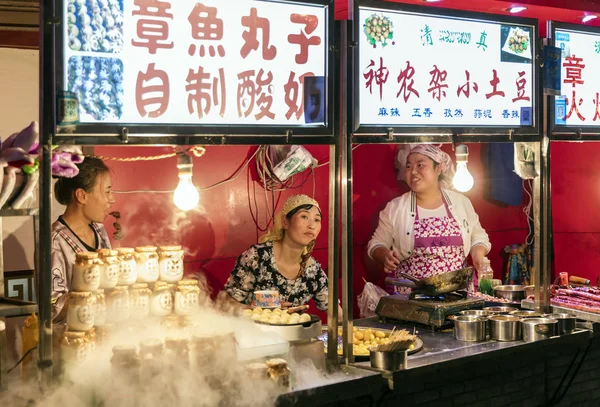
{"type": "Point", "coordinates": [47, 131]}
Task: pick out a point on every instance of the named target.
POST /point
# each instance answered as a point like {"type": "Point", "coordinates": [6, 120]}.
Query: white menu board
{"type": "Point", "coordinates": [579, 103]}
{"type": "Point", "coordinates": [215, 62]}
{"type": "Point", "coordinates": [420, 70]}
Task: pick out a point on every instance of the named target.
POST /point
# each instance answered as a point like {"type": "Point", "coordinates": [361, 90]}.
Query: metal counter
{"type": "Point", "coordinates": [440, 349]}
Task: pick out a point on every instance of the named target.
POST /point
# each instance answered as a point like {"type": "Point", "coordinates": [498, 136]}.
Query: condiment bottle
{"type": "Point", "coordinates": [86, 272]}
{"type": "Point", "coordinates": [187, 297]}
{"type": "Point", "coordinates": [486, 275]}
{"type": "Point", "coordinates": [147, 264]}
{"type": "Point", "coordinates": [110, 268]}
{"type": "Point", "coordinates": [128, 266]}
{"type": "Point", "coordinates": [100, 314]}
{"type": "Point", "coordinates": [139, 301]}
{"type": "Point", "coordinates": [117, 304]}
{"type": "Point", "coordinates": [161, 302]}
{"type": "Point", "coordinates": [170, 263]}
{"type": "Point", "coordinates": [81, 311]}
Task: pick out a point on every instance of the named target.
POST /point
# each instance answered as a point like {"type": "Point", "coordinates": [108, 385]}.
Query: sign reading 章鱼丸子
{"type": "Point", "coordinates": [418, 70]}
{"type": "Point", "coordinates": [579, 102]}
{"type": "Point", "coordinates": [215, 62]}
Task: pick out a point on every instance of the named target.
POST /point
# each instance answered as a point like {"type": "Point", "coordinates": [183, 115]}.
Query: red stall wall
{"type": "Point", "coordinates": [223, 227]}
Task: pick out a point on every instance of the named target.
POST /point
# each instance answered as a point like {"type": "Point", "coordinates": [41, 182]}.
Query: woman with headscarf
{"type": "Point", "coordinates": [431, 229]}
{"type": "Point", "coordinates": [282, 260]}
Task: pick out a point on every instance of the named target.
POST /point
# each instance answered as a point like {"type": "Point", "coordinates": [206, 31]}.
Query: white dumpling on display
{"type": "Point", "coordinates": [247, 313]}
{"type": "Point", "coordinates": [257, 310]}
{"type": "Point", "coordinates": [256, 317]}
{"type": "Point", "coordinates": [304, 318]}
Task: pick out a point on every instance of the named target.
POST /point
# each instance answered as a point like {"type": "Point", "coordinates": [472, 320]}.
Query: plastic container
{"type": "Point", "coordinates": [486, 275]}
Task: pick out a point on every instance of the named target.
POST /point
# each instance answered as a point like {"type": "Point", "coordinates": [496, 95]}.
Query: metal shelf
{"type": "Point", "coordinates": [586, 316]}
{"type": "Point", "coordinates": [12, 308]}
{"type": "Point", "coordinates": [19, 212]}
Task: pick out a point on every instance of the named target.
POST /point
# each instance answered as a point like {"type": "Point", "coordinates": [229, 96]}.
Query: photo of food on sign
{"type": "Point", "coordinates": [95, 25]}
{"type": "Point", "coordinates": [516, 44]}
{"type": "Point", "coordinates": [378, 29]}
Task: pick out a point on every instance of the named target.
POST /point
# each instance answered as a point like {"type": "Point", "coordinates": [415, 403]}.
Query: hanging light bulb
{"type": "Point", "coordinates": [186, 195]}
{"type": "Point", "coordinates": [463, 180]}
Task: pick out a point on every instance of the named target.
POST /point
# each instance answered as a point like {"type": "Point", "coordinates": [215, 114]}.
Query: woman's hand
{"type": "Point", "coordinates": [478, 252]}
{"type": "Point", "coordinates": [389, 258]}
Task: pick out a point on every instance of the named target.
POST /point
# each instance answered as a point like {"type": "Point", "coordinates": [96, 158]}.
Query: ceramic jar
{"type": "Point", "coordinates": [139, 301]}
{"type": "Point", "coordinates": [90, 341]}
{"type": "Point", "coordinates": [100, 314]}
{"type": "Point", "coordinates": [125, 365]}
{"type": "Point", "coordinates": [81, 311]}
{"type": "Point", "coordinates": [161, 301]}
{"type": "Point", "coordinates": [103, 333]}
{"type": "Point", "coordinates": [177, 351]}
{"type": "Point", "coordinates": [86, 272]}
{"type": "Point", "coordinates": [117, 304]}
{"type": "Point", "coordinates": [187, 297]}
{"type": "Point", "coordinates": [170, 259]}
{"type": "Point", "coordinates": [73, 347]}
{"type": "Point", "coordinates": [147, 264]}
{"type": "Point", "coordinates": [110, 268]}
{"type": "Point", "coordinates": [128, 266]}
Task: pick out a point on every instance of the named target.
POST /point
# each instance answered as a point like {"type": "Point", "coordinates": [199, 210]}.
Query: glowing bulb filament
{"type": "Point", "coordinates": [186, 195]}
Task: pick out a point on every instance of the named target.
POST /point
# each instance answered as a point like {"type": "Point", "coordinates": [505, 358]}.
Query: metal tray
{"type": "Point", "coordinates": [313, 319]}
{"type": "Point", "coordinates": [361, 358]}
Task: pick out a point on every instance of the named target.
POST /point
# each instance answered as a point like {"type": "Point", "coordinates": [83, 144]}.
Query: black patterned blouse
{"type": "Point", "coordinates": [256, 270]}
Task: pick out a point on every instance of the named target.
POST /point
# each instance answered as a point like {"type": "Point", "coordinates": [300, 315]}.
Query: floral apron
{"type": "Point", "coordinates": [438, 247]}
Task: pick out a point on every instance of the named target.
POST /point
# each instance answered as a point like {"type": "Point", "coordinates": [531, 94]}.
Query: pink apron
{"type": "Point", "coordinates": [438, 247]}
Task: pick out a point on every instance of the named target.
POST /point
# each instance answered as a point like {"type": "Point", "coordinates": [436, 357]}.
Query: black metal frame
{"type": "Point", "coordinates": [438, 134]}
{"type": "Point", "coordinates": [561, 132]}
{"type": "Point", "coordinates": [116, 133]}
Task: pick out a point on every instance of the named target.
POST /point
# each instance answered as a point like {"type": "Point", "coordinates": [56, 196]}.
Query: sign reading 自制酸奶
{"type": "Point", "coordinates": [579, 102]}
{"type": "Point", "coordinates": [421, 70]}
{"type": "Point", "coordinates": [216, 62]}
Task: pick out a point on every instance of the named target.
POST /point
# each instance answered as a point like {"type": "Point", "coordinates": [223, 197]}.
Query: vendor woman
{"type": "Point", "coordinates": [88, 197]}
{"type": "Point", "coordinates": [431, 229]}
{"type": "Point", "coordinates": [282, 261]}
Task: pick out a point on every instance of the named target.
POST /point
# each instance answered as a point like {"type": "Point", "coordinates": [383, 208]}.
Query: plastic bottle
{"type": "Point", "coordinates": [486, 275]}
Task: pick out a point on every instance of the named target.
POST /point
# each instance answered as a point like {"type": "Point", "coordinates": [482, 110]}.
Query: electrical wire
{"type": "Point", "coordinates": [21, 360]}
{"type": "Point", "coordinates": [527, 211]}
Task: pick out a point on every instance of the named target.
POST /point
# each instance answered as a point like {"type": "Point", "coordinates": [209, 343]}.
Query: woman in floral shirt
{"type": "Point", "coordinates": [282, 260]}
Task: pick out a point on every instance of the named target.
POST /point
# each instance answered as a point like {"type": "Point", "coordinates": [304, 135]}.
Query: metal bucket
{"type": "Point", "coordinates": [390, 361]}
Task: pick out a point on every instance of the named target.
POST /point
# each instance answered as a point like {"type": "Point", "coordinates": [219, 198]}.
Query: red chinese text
{"type": "Point", "coordinates": [466, 88]}
{"type": "Point", "coordinates": [152, 31]}
{"type": "Point", "coordinates": [407, 83]}
{"type": "Point", "coordinates": [494, 82]}
{"type": "Point", "coordinates": [380, 75]}
{"type": "Point", "coordinates": [206, 26]}
{"type": "Point", "coordinates": [437, 85]}
{"type": "Point", "coordinates": [521, 83]}
{"type": "Point", "coordinates": [573, 74]}
{"type": "Point", "coordinates": [253, 22]}
{"type": "Point", "coordinates": [203, 93]}
{"type": "Point", "coordinates": [152, 92]}
{"type": "Point", "coordinates": [303, 40]}
{"type": "Point", "coordinates": [292, 94]}
{"type": "Point", "coordinates": [254, 90]}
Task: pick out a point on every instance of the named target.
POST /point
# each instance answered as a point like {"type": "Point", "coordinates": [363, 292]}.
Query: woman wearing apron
{"type": "Point", "coordinates": [88, 198]}
{"type": "Point", "coordinates": [431, 229]}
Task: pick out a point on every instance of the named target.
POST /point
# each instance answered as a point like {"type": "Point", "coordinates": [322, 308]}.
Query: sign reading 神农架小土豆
{"type": "Point", "coordinates": [419, 70]}
{"type": "Point", "coordinates": [579, 101]}
{"type": "Point", "coordinates": [215, 62]}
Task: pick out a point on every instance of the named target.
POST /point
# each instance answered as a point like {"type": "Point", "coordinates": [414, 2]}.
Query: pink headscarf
{"type": "Point", "coordinates": [435, 153]}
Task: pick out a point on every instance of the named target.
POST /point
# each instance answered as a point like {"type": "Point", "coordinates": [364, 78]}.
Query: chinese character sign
{"type": "Point", "coordinates": [418, 70]}
{"type": "Point", "coordinates": [578, 103]}
{"type": "Point", "coordinates": [210, 62]}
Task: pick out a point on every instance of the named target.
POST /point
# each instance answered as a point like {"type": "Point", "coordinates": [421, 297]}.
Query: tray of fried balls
{"type": "Point", "coordinates": [278, 316]}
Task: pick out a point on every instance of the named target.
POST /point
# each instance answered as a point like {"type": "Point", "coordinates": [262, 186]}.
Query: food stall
{"type": "Point", "coordinates": [128, 74]}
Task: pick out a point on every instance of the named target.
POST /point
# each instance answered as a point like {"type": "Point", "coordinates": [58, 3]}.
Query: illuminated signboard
{"type": "Point", "coordinates": [418, 70]}
{"type": "Point", "coordinates": [578, 105]}
{"type": "Point", "coordinates": [216, 62]}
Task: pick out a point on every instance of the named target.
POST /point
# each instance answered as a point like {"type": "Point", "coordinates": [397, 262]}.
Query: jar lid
{"type": "Point", "coordinates": [160, 285]}
{"type": "Point", "coordinates": [80, 294]}
{"type": "Point", "coordinates": [187, 282]}
{"type": "Point", "coordinates": [151, 344]}
{"type": "Point", "coordinates": [125, 250]}
{"type": "Point", "coordinates": [123, 350]}
{"type": "Point", "coordinates": [86, 255]}
{"type": "Point", "coordinates": [145, 249]}
{"type": "Point", "coordinates": [139, 286]}
{"type": "Point", "coordinates": [107, 252]}
{"type": "Point", "coordinates": [99, 291]}
{"type": "Point", "coordinates": [120, 289]}
{"type": "Point", "coordinates": [74, 335]}
{"type": "Point", "coordinates": [169, 248]}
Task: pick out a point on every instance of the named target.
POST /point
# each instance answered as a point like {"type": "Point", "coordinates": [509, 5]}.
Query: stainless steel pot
{"type": "Point", "coordinates": [510, 292]}
{"type": "Point", "coordinates": [526, 314]}
{"type": "Point", "coordinates": [501, 310]}
{"type": "Point", "coordinates": [505, 328]}
{"type": "Point", "coordinates": [477, 312]}
{"type": "Point", "coordinates": [391, 361]}
{"type": "Point", "coordinates": [566, 323]}
{"type": "Point", "coordinates": [537, 329]}
{"type": "Point", "coordinates": [470, 328]}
